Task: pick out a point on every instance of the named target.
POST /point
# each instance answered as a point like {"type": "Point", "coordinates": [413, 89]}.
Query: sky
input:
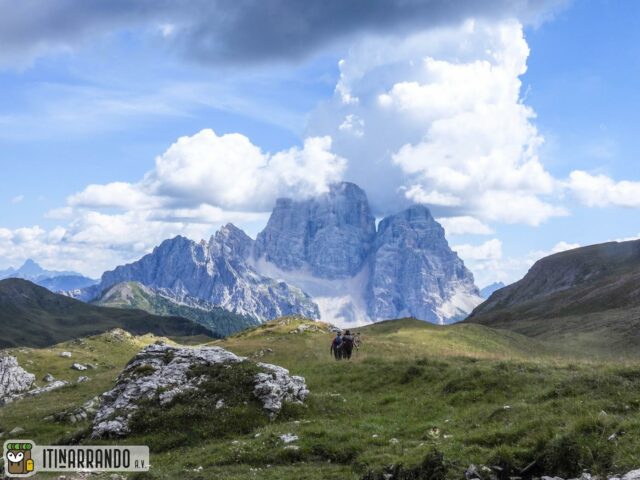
{"type": "Point", "coordinates": [123, 123]}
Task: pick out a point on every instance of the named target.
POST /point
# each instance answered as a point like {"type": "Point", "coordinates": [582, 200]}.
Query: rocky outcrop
{"type": "Point", "coordinates": [275, 386]}
{"type": "Point", "coordinates": [216, 271]}
{"type": "Point", "coordinates": [16, 383]}
{"type": "Point", "coordinates": [331, 234]}
{"type": "Point", "coordinates": [415, 273]}
{"type": "Point", "coordinates": [162, 372]}
{"type": "Point", "coordinates": [13, 378]}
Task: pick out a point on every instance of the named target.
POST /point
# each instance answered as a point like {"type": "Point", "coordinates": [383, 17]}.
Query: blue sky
{"type": "Point", "coordinates": [430, 106]}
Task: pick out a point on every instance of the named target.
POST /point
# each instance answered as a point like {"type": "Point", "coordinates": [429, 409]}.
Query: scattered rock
{"type": "Point", "coordinates": [276, 386]}
{"type": "Point", "coordinates": [305, 327]}
{"type": "Point", "coordinates": [65, 354]}
{"type": "Point", "coordinates": [219, 404]}
{"type": "Point", "coordinates": [289, 437]}
{"type": "Point", "coordinates": [394, 441]}
{"type": "Point", "coordinates": [17, 431]}
{"type": "Point", "coordinates": [472, 473]}
{"type": "Point", "coordinates": [79, 367]}
{"type": "Point", "coordinates": [13, 378]}
{"type": "Point", "coordinates": [48, 378]}
{"type": "Point", "coordinates": [82, 379]}
{"type": "Point", "coordinates": [36, 391]}
{"type": "Point", "coordinates": [292, 447]}
{"type": "Point", "coordinates": [262, 352]}
{"type": "Point", "coordinates": [161, 372]}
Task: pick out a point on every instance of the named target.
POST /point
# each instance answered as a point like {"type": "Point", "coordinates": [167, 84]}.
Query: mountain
{"type": "Point", "coordinates": [589, 295]}
{"type": "Point", "coordinates": [30, 270]}
{"type": "Point", "coordinates": [489, 289]}
{"type": "Point", "coordinates": [330, 235]}
{"type": "Point", "coordinates": [65, 283]}
{"type": "Point", "coordinates": [217, 272]}
{"type": "Point", "coordinates": [31, 315]}
{"type": "Point", "coordinates": [329, 246]}
{"type": "Point", "coordinates": [6, 273]}
{"type": "Point", "coordinates": [321, 257]}
{"type": "Point", "coordinates": [135, 295]}
{"type": "Point", "coordinates": [415, 273]}
{"type": "Point", "coordinates": [56, 281]}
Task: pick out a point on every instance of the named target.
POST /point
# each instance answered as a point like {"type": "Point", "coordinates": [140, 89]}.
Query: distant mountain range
{"type": "Point", "coordinates": [321, 257]}
{"type": "Point", "coordinates": [133, 295]}
{"type": "Point", "coordinates": [589, 295]}
{"type": "Point", "coordinates": [489, 289]}
{"type": "Point", "coordinates": [33, 316]}
{"type": "Point", "coordinates": [56, 281]}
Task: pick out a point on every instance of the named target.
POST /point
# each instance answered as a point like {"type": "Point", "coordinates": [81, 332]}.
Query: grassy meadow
{"type": "Point", "coordinates": [416, 400]}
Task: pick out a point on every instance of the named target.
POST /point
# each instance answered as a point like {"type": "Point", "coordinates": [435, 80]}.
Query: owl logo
{"type": "Point", "coordinates": [17, 457]}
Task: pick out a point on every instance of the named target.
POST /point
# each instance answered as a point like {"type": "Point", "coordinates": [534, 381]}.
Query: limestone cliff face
{"type": "Point", "coordinates": [318, 257]}
{"type": "Point", "coordinates": [329, 246]}
{"type": "Point", "coordinates": [331, 235]}
{"type": "Point", "coordinates": [216, 271]}
{"type": "Point", "coordinates": [415, 273]}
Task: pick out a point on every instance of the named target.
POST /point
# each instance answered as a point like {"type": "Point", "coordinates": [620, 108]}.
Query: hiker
{"type": "Point", "coordinates": [347, 345]}
{"type": "Point", "coordinates": [336, 346]}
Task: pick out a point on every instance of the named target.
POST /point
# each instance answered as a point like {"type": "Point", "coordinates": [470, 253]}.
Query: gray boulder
{"type": "Point", "coordinates": [162, 372]}
{"type": "Point", "coordinates": [13, 378]}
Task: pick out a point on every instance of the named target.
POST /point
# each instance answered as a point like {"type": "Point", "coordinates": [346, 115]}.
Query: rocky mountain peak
{"type": "Point", "coordinates": [330, 235]}
{"type": "Point", "coordinates": [414, 272]}
{"type": "Point", "coordinates": [414, 227]}
{"type": "Point", "coordinates": [231, 241]}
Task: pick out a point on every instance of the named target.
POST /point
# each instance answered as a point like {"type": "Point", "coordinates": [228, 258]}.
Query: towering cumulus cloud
{"type": "Point", "coordinates": [442, 113]}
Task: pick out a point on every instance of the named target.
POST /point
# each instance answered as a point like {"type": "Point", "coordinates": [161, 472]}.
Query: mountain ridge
{"type": "Point", "coordinates": [590, 292]}
{"type": "Point", "coordinates": [320, 257]}
{"type": "Point", "coordinates": [134, 295]}
{"type": "Point", "coordinates": [31, 315]}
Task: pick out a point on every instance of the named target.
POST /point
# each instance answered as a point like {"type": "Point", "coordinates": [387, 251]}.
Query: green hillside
{"type": "Point", "coordinates": [219, 321]}
{"type": "Point", "coordinates": [427, 400]}
{"type": "Point", "coordinates": [586, 299]}
{"type": "Point", "coordinates": [33, 316]}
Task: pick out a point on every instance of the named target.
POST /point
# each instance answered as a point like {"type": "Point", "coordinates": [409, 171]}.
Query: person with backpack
{"type": "Point", "coordinates": [347, 345]}
{"type": "Point", "coordinates": [336, 346]}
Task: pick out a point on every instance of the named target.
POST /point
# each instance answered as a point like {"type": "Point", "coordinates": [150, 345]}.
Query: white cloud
{"type": "Point", "coordinates": [489, 264]}
{"type": "Point", "coordinates": [516, 207]}
{"type": "Point", "coordinates": [229, 171]}
{"type": "Point", "coordinates": [446, 124]}
{"type": "Point", "coordinates": [489, 250]}
{"type": "Point", "coordinates": [198, 184]}
{"type": "Point", "coordinates": [353, 124]}
{"type": "Point", "coordinates": [602, 191]}
{"type": "Point", "coordinates": [464, 225]}
{"type": "Point", "coordinates": [112, 195]}
{"type": "Point", "coordinates": [226, 172]}
{"type": "Point", "coordinates": [17, 199]}
{"type": "Point", "coordinates": [416, 194]}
